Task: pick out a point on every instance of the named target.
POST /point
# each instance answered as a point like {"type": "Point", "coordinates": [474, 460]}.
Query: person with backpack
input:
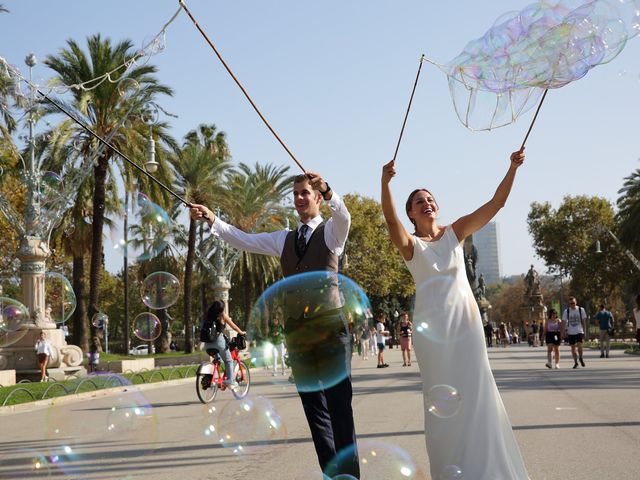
{"type": "Point", "coordinates": [212, 334]}
{"type": "Point", "coordinates": [575, 318]}
{"type": "Point", "coordinates": [605, 322]}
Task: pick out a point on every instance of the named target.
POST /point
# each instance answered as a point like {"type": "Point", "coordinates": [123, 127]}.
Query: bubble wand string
{"type": "Point", "coordinates": [264, 120]}
{"type": "Point", "coordinates": [395, 154]}
{"type": "Point", "coordinates": [109, 145]}
{"type": "Point", "coordinates": [534, 118]}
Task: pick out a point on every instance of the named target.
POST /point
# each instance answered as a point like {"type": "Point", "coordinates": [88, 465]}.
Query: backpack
{"type": "Point", "coordinates": [209, 331]}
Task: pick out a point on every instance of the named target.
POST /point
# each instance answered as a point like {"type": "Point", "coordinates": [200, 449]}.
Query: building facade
{"type": "Point", "coordinates": [488, 263]}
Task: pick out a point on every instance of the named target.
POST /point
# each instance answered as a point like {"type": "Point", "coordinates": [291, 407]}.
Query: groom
{"type": "Point", "coordinates": [314, 245]}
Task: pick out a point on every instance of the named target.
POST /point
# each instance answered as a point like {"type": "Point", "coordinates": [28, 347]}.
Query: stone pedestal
{"type": "Point", "coordinates": [7, 378]}
{"type": "Point", "coordinates": [66, 360]}
{"type": "Point", "coordinates": [533, 311]}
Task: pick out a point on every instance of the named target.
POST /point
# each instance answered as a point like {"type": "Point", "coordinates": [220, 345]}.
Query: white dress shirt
{"type": "Point", "coordinates": [272, 243]}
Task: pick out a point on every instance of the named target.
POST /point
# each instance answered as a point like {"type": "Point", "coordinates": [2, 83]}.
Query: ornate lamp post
{"type": "Point", "coordinates": [33, 230]}
{"type": "Point", "coordinates": [151, 166]}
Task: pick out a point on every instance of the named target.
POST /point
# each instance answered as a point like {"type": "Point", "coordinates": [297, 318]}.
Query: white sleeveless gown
{"type": "Point", "coordinates": [449, 344]}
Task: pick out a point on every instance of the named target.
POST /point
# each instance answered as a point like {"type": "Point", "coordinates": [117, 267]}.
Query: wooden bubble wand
{"type": "Point", "coordinates": [264, 120]}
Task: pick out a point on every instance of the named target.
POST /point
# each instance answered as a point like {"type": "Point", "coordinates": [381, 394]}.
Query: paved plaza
{"type": "Point", "coordinates": [570, 424]}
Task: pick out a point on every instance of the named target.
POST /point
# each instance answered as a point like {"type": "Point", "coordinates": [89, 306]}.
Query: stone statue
{"type": "Point", "coordinates": [470, 258]}
{"type": "Point", "coordinates": [532, 282]}
{"type": "Point", "coordinates": [482, 287]}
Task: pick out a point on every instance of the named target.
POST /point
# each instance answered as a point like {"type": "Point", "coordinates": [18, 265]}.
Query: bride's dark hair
{"type": "Point", "coordinates": [407, 206]}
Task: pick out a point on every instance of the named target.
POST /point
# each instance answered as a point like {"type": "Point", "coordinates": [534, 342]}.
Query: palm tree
{"type": "Point", "coordinates": [253, 201]}
{"type": "Point", "coordinates": [629, 211]}
{"type": "Point", "coordinates": [56, 152]}
{"type": "Point", "coordinates": [201, 166]}
{"type": "Point", "coordinates": [102, 108]}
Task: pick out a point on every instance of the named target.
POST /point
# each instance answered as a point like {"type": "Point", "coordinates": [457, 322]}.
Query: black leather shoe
{"type": "Point", "coordinates": [575, 365]}
{"type": "Point", "coordinates": [581, 361]}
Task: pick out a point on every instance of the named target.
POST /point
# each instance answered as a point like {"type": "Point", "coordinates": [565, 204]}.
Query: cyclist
{"type": "Point", "coordinates": [212, 334]}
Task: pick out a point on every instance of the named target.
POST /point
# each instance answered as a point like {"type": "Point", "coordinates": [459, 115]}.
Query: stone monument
{"type": "Point", "coordinates": [532, 302]}
{"type": "Point", "coordinates": [479, 288]}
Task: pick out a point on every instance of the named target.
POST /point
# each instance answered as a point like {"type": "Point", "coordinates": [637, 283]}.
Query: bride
{"type": "Point", "coordinates": [467, 430]}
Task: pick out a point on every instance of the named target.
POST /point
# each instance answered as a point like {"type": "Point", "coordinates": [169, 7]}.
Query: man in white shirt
{"type": "Point", "coordinates": [314, 246]}
{"type": "Point", "coordinates": [575, 318]}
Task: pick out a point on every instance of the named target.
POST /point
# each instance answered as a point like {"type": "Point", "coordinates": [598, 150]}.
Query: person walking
{"type": "Point", "coordinates": [276, 336]}
{"type": "Point", "coordinates": [406, 331]}
{"type": "Point", "coordinates": [43, 352]}
{"type": "Point", "coordinates": [365, 338]}
{"type": "Point", "coordinates": [315, 245]}
{"type": "Point", "coordinates": [554, 332]}
{"type": "Point", "coordinates": [476, 436]}
{"type": "Point", "coordinates": [575, 319]}
{"type": "Point", "coordinates": [381, 334]}
{"type": "Point", "coordinates": [605, 322]}
{"type": "Point", "coordinates": [488, 334]}
{"type": "Point", "coordinates": [373, 341]}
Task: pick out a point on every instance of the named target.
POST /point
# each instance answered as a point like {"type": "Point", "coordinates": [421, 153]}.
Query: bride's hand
{"type": "Point", "coordinates": [388, 171]}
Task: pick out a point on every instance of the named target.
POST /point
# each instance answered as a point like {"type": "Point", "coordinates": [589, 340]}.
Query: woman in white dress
{"type": "Point", "coordinates": [467, 429]}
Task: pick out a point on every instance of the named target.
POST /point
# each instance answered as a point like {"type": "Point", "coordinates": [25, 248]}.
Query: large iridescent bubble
{"type": "Point", "coordinates": [160, 290]}
{"type": "Point", "coordinates": [14, 317]}
{"type": "Point", "coordinates": [545, 45]}
{"type": "Point", "coordinates": [377, 460]}
{"type": "Point", "coordinates": [318, 312]}
{"type": "Point", "coordinates": [150, 231]}
{"type": "Point", "coordinates": [147, 327]}
{"type": "Point", "coordinates": [59, 297]}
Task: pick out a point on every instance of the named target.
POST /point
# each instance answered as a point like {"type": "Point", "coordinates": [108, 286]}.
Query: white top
{"type": "Point", "coordinates": [574, 323]}
{"type": "Point", "coordinates": [272, 243]}
{"type": "Point", "coordinates": [636, 315]}
{"type": "Point", "coordinates": [379, 332]}
{"type": "Point", "coordinates": [43, 346]}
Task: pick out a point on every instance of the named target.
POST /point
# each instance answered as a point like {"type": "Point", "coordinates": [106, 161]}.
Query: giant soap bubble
{"type": "Point", "coordinates": [14, 317]}
{"type": "Point", "coordinates": [59, 296]}
{"type": "Point", "coordinates": [160, 290]}
{"type": "Point", "coordinates": [152, 227]}
{"type": "Point", "coordinates": [319, 311]}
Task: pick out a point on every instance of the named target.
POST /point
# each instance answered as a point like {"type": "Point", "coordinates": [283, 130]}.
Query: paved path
{"type": "Point", "coordinates": [570, 424]}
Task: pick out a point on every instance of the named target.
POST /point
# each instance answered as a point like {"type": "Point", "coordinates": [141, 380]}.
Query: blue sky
{"type": "Point", "coordinates": [334, 77]}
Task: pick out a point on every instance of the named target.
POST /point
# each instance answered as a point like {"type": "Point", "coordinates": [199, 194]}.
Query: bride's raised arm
{"type": "Point", "coordinates": [469, 224]}
{"type": "Point", "coordinates": [399, 235]}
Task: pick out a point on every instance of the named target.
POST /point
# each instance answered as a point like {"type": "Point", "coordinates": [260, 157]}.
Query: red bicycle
{"type": "Point", "coordinates": [211, 376]}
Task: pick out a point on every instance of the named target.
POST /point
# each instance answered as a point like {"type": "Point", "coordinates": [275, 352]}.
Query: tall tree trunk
{"type": "Point", "coordinates": [100, 176]}
{"type": "Point", "coordinates": [203, 286]}
{"type": "Point", "coordinates": [80, 330]}
{"type": "Point", "coordinates": [188, 278]}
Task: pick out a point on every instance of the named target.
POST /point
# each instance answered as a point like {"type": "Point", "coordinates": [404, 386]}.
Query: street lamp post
{"type": "Point", "coordinates": [628, 326]}
{"type": "Point", "coordinates": [151, 166]}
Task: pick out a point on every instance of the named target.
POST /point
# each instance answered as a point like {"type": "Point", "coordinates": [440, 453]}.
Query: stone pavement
{"type": "Point", "coordinates": [570, 424]}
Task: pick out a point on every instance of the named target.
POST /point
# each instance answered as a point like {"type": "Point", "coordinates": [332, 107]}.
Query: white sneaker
{"type": "Point", "coordinates": [274, 374]}
{"type": "Point", "coordinates": [556, 366]}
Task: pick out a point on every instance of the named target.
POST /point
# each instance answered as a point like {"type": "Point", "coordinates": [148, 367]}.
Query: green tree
{"type": "Point", "coordinates": [629, 212]}
{"type": "Point", "coordinates": [373, 262]}
{"type": "Point", "coordinates": [102, 108]}
{"type": "Point", "coordinates": [201, 166]}
{"type": "Point", "coordinates": [565, 239]}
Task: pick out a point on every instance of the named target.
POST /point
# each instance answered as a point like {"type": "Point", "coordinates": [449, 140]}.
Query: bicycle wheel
{"type": "Point", "coordinates": [207, 382]}
{"type": "Point", "coordinates": [243, 377]}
